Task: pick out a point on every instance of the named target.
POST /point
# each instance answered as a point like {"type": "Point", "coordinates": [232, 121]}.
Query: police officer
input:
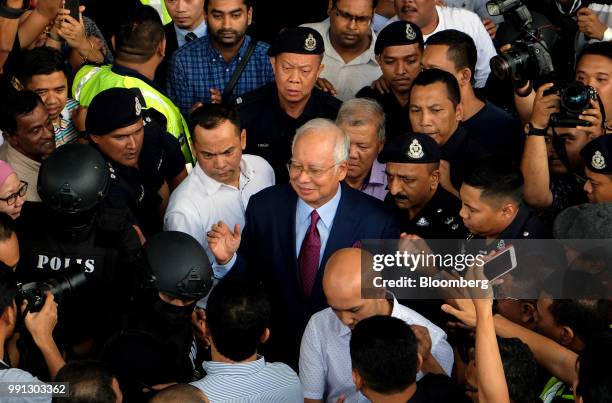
{"type": "Point", "coordinates": [143, 157]}
{"type": "Point", "coordinates": [139, 49]}
{"type": "Point", "coordinates": [157, 344]}
{"type": "Point", "coordinates": [72, 231]}
{"type": "Point", "coordinates": [597, 155]}
{"type": "Point", "coordinates": [271, 114]}
{"type": "Point", "coordinates": [421, 205]}
{"type": "Point", "coordinates": [493, 209]}
{"type": "Point", "coordinates": [398, 49]}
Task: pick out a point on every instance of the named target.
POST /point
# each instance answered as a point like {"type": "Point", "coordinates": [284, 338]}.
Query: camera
{"type": "Point", "coordinates": [575, 98]}
{"type": "Point", "coordinates": [60, 286]}
{"type": "Point", "coordinates": [529, 55]}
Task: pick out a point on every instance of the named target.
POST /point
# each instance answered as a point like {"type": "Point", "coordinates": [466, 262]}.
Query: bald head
{"type": "Point", "coordinates": [342, 287]}
{"type": "Point", "coordinates": [343, 273]}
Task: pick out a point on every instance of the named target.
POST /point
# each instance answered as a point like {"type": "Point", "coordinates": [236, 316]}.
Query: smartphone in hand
{"type": "Point", "coordinates": [73, 6]}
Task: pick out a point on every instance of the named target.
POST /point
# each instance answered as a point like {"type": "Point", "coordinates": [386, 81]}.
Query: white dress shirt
{"type": "Point", "coordinates": [325, 359]}
{"type": "Point", "coordinates": [200, 201]}
{"type": "Point", "coordinates": [347, 78]}
{"type": "Point", "coordinates": [469, 23]}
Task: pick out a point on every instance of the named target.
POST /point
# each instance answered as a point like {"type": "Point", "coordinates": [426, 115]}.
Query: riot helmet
{"type": "Point", "coordinates": [178, 265]}
{"type": "Point", "coordinates": [74, 179]}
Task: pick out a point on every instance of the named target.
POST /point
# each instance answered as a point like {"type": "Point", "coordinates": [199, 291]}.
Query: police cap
{"type": "Point", "coordinates": [113, 109]}
{"type": "Point", "coordinates": [302, 40]}
{"type": "Point", "coordinates": [179, 265]}
{"type": "Point", "coordinates": [410, 148]}
{"type": "Point", "coordinates": [597, 155]}
{"type": "Point", "coordinates": [398, 33]}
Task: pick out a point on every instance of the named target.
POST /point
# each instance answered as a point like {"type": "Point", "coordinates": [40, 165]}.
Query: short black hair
{"type": "Point", "coordinates": [181, 392]}
{"type": "Point", "coordinates": [17, 103]}
{"type": "Point", "coordinates": [374, 3]}
{"type": "Point", "coordinates": [520, 369]}
{"type": "Point", "coordinates": [90, 381]}
{"type": "Point", "coordinates": [497, 177]}
{"type": "Point", "coordinates": [461, 48]}
{"type": "Point", "coordinates": [594, 375]}
{"type": "Point", "coordinates": [43, 60]}
{"type": "Point", "coordinates": [247, 3]}
{"type": "Point", "coordinates": [237, 315]}
{"type": "Point", "coordinates": [384, 352]}
{"type": "Point", "coordinates": [7, 227]}
{"type": "Point", "coordinates": [597, 49]}
{"type": "Point", "coordinates": [139, 35]}
{"type": "Point", "coordinates": [586, 317]}
{"type": "Point", "coordinates": [8, 287]}
{"type": "Point", "coordinates": [210, 116]}
{"type": "Point", "coordinates": [432, 76]}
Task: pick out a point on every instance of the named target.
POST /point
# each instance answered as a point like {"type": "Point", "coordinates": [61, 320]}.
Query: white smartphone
{"type": "Point", "coordinates": [502, 263]}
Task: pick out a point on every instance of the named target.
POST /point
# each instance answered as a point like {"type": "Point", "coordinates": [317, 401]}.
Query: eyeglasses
{"type": "Point", "coordinates": [359, 19]}
{"type": "Point", "coordinates": [12, 198]}
{"type": "Point", "coordinates": [296, 170]}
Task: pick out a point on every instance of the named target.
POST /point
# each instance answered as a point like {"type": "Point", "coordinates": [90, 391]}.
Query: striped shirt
{"type": "Point", "coordinates": [253, 381]}
{"type": "Point", "coordinates": [197, 67]}
{"type": "Point", "coordinates": [65, 132]}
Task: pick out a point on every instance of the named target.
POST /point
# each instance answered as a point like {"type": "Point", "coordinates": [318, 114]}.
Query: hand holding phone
{"type": "Point", "coordinates": [73, 7]}
{"type": "Point", "coordinates": [500, 264]}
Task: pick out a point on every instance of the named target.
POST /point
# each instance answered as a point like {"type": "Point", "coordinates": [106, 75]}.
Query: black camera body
{"type": "Point", "coordinates": [60, 286]}
{"type": "Point", "coordinates": [529, 55]}
{"type": "Point", "coordinates": [575, 98]}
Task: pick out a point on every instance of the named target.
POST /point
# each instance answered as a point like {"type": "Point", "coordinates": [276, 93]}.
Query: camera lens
{"type": "Point", "coordinates": [501, 68]}
{"type": "Point", "coordinates": [576, 97]}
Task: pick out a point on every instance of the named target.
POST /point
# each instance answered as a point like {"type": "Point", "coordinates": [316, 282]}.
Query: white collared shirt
{"type": "Point", "coordinates": [347, 78]}
{"type": "Point", "coordinates": [200, 201]}
{"type": "Point", "coordinates": [325, 359]}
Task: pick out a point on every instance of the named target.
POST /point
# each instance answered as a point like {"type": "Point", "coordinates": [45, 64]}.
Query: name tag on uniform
{"type": "Point", "coordinates": [263, 145]}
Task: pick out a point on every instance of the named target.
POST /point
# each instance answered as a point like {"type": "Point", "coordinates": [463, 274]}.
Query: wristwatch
{"type": "Point", "coordinates": [13, 13]}
{"type": "Point", "coordinates": [534, 131]}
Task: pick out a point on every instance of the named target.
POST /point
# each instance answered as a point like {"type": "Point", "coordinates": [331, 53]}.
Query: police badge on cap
{"type": "Point", "coordinates": [301, 40]}
{"type": "Point", "coordinates": [597, 154]}
{"type": "Point", "coordinates": [398, 33]}
{"type": "Point", "coordinates": [410, 148]}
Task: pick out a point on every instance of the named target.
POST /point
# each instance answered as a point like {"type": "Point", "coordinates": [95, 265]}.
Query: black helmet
{"type": "Point", "coordinates": [73, 179]}
{"type": "Point", "coordinates": [179, 265]}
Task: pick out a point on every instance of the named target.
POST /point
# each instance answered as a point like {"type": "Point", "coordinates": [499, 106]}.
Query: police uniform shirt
{"type": "Point", "coordinates": [270, 130]}
{"type": "Point", "coordinates": [526, 225]}
{"type": "Point", "coordinates": [438, 219]}
{"type": "Point", "coordinates": [396, 115]}
{"type": "Point", "coordinates": [136, 188]}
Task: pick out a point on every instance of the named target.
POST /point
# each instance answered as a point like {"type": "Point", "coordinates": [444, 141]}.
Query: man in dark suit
{"type": "Point", "coordinates": [292, 229]}
{"type": "Point", "coordinates": [188, 23]}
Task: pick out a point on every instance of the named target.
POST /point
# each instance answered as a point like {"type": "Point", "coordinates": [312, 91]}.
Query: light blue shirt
{"type": "Point", "coordinates": [254, 381]}
{"type": "Point", "coordinates": [200, 31]}
{"type": "Point", "coordinates": [327, 212]}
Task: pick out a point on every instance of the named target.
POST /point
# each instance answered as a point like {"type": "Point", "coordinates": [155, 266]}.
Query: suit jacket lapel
{"type": "Point", "coordinates": [343, 227]}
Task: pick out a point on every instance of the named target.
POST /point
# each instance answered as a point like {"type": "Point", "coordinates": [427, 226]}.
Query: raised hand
{"type": "Point", "coordinates": [223, 242]}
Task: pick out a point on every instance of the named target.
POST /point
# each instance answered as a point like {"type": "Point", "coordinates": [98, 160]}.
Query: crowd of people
{"type": "Point", "coordinates": [190, 191]}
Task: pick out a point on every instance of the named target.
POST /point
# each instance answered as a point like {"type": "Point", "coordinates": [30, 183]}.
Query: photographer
{"type": "Point", "coordinates": [39, 324]}
{"type": "Point", "coordinates": [577, 21]}
{"type": "Point", "coordinates": [551, 163]}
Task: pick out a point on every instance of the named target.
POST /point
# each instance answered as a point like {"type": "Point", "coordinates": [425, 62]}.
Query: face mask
{"type": "Point", "coordinates": [172, 317]}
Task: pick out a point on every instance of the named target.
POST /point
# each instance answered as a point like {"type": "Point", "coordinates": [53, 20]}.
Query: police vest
{"type": "Point", "coordinates": [91, 80]}
{"type": "Point", "coordinates": [106, 254]}
{"type": "Point", "coordinates": [160, 7]}
{"type": "Point", "coordinates": [556, 391]}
